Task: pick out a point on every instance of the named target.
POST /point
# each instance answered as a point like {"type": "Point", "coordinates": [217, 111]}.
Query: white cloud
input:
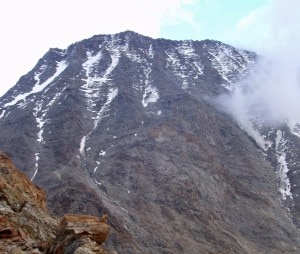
{"type": "Point", "coordinates": [271, 26]}
{"type": "Point", "coordinates": [252, 31]}
{"type": "Point", "coordinates": [182, 11]}
{"type": "Point", "coordinates": [272, 92]}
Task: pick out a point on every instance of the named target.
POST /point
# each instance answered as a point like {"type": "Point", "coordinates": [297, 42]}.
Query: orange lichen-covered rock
{"type": "Point", "coordinates": [24, 221]}
{"type": "Point", "coordinates": [16, 188]}
{"type": "Point", "coordinates": [95, 228]}
{"type": "Point", "coordinates": [27, 228]}
{"type": "Point", "coordinates": [83, 229]}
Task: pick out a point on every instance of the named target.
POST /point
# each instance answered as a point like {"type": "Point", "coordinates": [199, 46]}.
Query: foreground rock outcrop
{"type": "Point", "coordinates": [26, 227]}
{"type": "Point", "coordinates": [85, 231]}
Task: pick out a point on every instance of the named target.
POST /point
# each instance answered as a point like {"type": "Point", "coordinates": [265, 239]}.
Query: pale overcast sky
{"type": "Point", "coordinates": [29, 28]}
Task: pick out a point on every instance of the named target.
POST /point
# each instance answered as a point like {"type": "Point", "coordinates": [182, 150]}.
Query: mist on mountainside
{"type": "Point", "coordinates": [271, 93]}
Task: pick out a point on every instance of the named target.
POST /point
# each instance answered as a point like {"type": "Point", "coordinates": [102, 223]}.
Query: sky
{"type": "Point", "coordinates": [29, 28]}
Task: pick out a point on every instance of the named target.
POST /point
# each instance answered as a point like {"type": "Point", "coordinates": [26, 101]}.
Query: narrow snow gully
{"type": "Point", "coordinates": [60, 67]}
{"type": "Point", "coordinates": [98, 90]}
{"type": "Point", "coordinates": [41, 108]}
{"type": "Point", "coordinates": [181, 59]}
{"type": "Point", "coordinates": [282, 168]}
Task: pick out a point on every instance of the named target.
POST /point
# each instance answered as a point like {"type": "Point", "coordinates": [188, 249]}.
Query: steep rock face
{"type": "Point", "coordinates": [26, 227]}
{"type": "Point", "coordinates": [123, 124]}
{"type": "Point", "coordinates": [24, 220]}
{"type": "Point", "coordinates": [14, 184]}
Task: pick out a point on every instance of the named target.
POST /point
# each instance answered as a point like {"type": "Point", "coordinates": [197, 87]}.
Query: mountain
{"type": "Point", "coordinates": [128, 125]}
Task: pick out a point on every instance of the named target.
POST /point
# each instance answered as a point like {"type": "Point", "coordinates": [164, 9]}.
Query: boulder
{"type": "Point", "coordinates": [77, 232]}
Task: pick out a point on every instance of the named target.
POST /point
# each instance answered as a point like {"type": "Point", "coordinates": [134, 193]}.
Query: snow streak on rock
{"type": "Point", "coordinates": [181, 60]}
{"type": "Point", "coordinates": [37, 158]}
{"type": "Point", "coordinates": [40, 119]}
{"type": "Point", "coordinates": [40, 112]}
{"type": "Point", "coordinates": [188, 53]}
{"type": "Point", "coordinates": [132, 54]}
{"type": "Point", "coordinates": [151, 52]}
{"type": "Point", "coordinates": [41, 106]}
{"type": "Point", "coordinates": [38, 74]}
{"type": "Point", "coordinates": [96, 86]}
{"type": "Point", "coordinates": [150, 95]}
{"type": "Point", "coordinates": [112, 93]}
{"type": "Point", "coordinates": [91, 87]}
{"type": "Point", "coordinates": [230, 63]}
{"type": "Point", "coordinates": [2, 113]}
{"type": "Point", "coordinates": [294, 128]}
{"type": "Point", "coordinates": [115, 55]}
{"type": "Point", "coordinates": [82, 145]}
{"type": "Point", "coordinates": [282, 169]}
{"type": "Point", "coordinates": [61, 66]}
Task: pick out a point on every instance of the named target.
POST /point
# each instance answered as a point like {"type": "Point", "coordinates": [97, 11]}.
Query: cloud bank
{"type": "Point", "coordinates": [272, 91]}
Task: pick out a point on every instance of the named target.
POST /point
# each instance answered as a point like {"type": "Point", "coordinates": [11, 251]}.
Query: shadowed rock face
{"type": "Point", "coordinates": [26, 227]}
{"type": "Point", "coordinates": [123, 124]}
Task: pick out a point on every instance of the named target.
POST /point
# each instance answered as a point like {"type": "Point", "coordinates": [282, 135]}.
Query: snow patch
{"type": "Point", "coordinates": [118, 203]}
{"type": "Point", "coordinates": [93, 86]}
{"type": "Point", "coordinates": [282, 169]}
{"type": "Point", "coordinates": [40, 120]}
{"type": "Point", "coordinates": [82, 145]}
{"type": "Point", "coordinates": [150, 52]}
{"type": "Point", "coordinates": [294, 128]}
{"type": "Point", "coordinates": [114, 62]}
{"type": "Point", "coordinates": [112, 93]}
{"type": "Point", "coordinates": [96, 182]}
{"type": "Point", "coordinates": [102, 153]}
{"type": "Point", "coordinates": [38, 74]}
{"type": "Point", "coordinates": [55, 98]}
{"type": "Point", "coordinates": [182, 59]}
{"type": "Point", "coordinates": [93, 83]}
{"type": "Point", "coordinates": [60, 67]}
{"type": "Point", "coordinates": [2, 114]}
{"type": "Point", "coordinates": [230, 63]}
{"type": "Point", "coordinates": [150, 95]}
{"type": "Point", "coordinates": [37, 157]}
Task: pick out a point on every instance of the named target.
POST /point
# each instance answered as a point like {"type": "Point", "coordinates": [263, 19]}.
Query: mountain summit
{"type": "Point", "coordinates": [124, 124]}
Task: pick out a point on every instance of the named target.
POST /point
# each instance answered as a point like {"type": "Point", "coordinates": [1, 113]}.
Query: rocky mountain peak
{"type": "Point", "coordinates": [126, 125]}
